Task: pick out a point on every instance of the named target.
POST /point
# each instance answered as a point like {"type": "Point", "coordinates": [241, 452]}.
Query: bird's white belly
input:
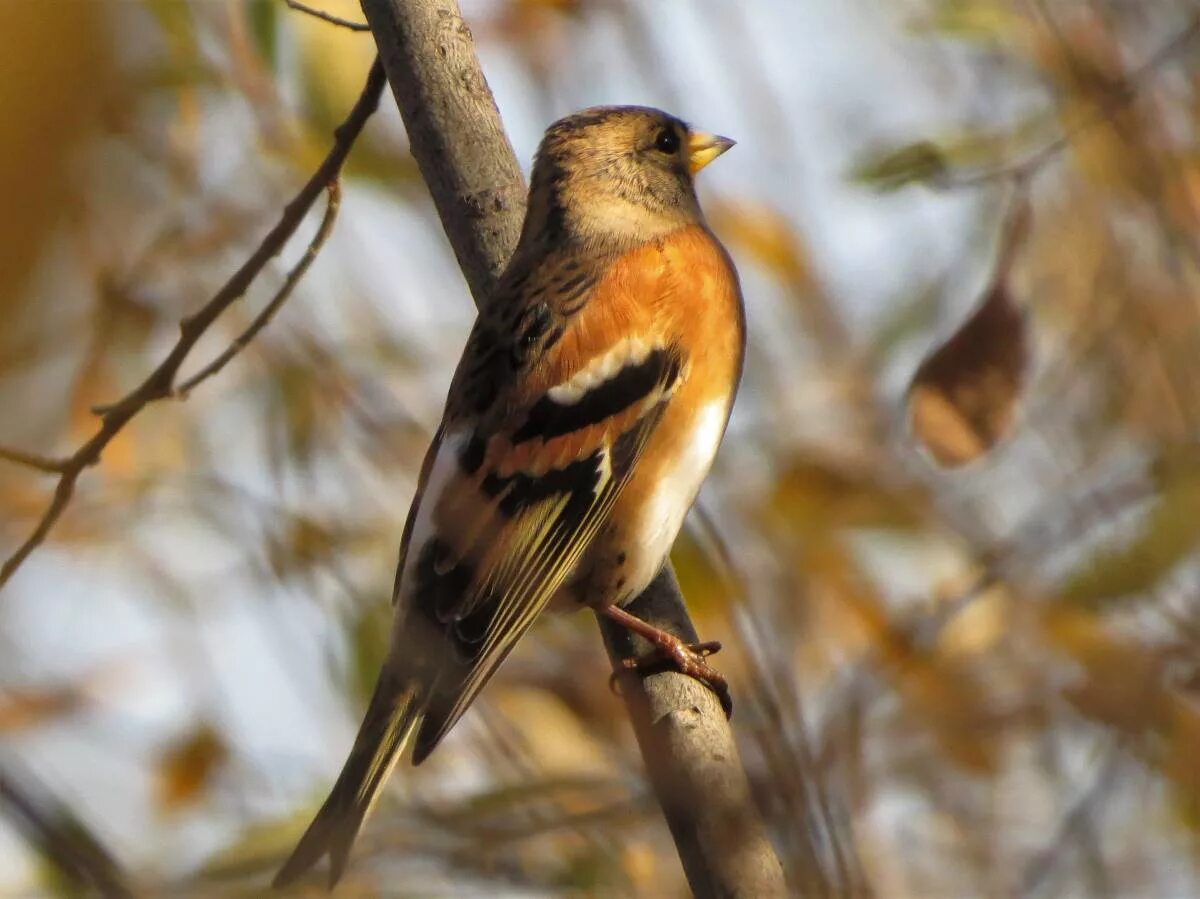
{"type": "Point", "coordinates": [661, 517]}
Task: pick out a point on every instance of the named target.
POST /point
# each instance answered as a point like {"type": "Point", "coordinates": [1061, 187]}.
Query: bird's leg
{"type": "Point", "coordinates": [671, 653]}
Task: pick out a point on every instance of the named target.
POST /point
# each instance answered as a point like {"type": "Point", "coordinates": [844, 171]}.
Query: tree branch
{"type": "Point", "coordinates": [33, 460]}
{"type": "Point", "coordinates": [160, 383]}
{"type": "Point", "coordinates": [332, 203]}
{"type": "Point", "coordinates": [454, 131]}
{"type": "Point", "coordinates": [693, 761]}
{"type": "Point", "coordinates": [50, 828]}
{"type": "Point", "coordinates": [326, 16]}
{"type": "Point", "coordinates": [465, 156]}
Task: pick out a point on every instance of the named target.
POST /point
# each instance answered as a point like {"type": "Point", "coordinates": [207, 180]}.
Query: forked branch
{"type": "Point", "coordinates": [161, 383]}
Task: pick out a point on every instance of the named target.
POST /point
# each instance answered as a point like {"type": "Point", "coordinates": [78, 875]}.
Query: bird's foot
{"type": "Point", "coordinates": [686, 658]}
{"type": "Point", "coordinates": [671, 653]}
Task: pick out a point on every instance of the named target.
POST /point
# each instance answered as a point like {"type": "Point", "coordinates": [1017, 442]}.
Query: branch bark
{"type": "Point", "coordinates": [466, 159]}
{"type": "Point", "coordinates": [454, 130]}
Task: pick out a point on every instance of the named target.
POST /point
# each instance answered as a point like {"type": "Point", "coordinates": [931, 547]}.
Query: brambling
{"type": "Point", "coordinates": [586, 410]}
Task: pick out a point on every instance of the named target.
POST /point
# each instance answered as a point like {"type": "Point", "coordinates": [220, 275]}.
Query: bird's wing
{"type": "Point", "coordinates": [554, 400]}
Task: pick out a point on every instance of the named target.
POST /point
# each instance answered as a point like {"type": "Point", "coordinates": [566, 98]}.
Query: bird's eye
{"type": "Point", "coordinates": [667, 141]}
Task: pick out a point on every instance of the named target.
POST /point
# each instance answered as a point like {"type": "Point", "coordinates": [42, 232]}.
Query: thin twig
{"type": "Point", "coordinates": [32, 460]}
{"type": "Point", "coordinates": [1079, 819]}
{"type": "Point", "coordinates": [263, 318]}
{"type": "Point", "coordinates": [824, 860]}
{"type": "Point", "coordinates": [327, 16]}
{"type": "Point", "coordinates": [160, 383]}
{"type": "Point", "coordinates": [1101, 113]}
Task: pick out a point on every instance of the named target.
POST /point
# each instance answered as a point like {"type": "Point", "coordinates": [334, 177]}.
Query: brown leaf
{"type": "Point", "coordinates": [33, 707]}
{"type": "Point", "coordinates": [963, 398]}
{"type": "Point", "coordinates": [187, 767]}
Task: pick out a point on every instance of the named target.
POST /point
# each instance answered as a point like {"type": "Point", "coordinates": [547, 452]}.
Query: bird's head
{"type": "Point", "coordinates": [623, 172]}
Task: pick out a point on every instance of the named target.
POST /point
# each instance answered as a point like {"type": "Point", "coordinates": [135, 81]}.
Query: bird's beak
{"type": "Point", "coordinates": [703, 148]}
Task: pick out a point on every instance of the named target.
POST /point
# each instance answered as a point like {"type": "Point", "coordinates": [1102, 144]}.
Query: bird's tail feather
{"type": "Point", "coordinates": [391, 716]}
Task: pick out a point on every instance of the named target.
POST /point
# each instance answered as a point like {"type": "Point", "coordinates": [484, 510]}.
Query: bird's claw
{"type": "Point", "coordinates": [686, 658]}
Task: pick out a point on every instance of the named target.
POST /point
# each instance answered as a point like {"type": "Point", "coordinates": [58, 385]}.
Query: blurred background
{"type": "Point", "coordinates": [954, 564]}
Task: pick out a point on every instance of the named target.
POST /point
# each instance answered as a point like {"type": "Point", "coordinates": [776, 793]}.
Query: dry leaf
{"type": "Point", "coordinates": [963, 398]}
{"type": "Point", "coordinates": [186, 767]}
{"type": "Point", "coordinates": [1123, 684]}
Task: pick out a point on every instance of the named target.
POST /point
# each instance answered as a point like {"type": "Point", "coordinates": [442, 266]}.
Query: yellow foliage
{"type": "Point", "coordinates": [57, 78]}
{"type": "Point", "coordinates": [939, 690]}
{"type": "Point", "coordinates": [1167, 536]}
{"type": "Point", "coordinates": [336, 60]}
{"type": "Point", "coordinates": [765, 235]}
{"type": "Point", "coordinates": [976, 19]}
{"type": "Point", "coordinates": [701, 577]}
{"type": "Point", "coordinates": [979, 626]}
{"type": "Point", "coordinates": [813, 495]}
{"type": "Point", "coordinates": [559, 744]}
{"type": "Point", "coordinates": [1123, 686]}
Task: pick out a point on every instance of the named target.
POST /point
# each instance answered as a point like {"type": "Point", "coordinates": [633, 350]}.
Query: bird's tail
{"type": "Point", "coordinates": [391, 717]}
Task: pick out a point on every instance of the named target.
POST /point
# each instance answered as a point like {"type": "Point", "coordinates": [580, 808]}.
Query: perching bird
{"type": "Point", "coordinates": [586, 410]}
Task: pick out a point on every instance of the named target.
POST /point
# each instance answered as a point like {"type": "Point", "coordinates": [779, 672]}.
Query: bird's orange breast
{"type": "Point", "coordinates": [689, 287]}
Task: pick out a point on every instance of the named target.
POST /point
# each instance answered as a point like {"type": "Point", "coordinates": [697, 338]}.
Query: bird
{"type": "Point", "coordinates": [591, 397]}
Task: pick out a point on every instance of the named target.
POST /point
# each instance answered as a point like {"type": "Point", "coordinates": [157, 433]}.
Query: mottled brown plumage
{"type": "Point", "coordinates": [590, 399]}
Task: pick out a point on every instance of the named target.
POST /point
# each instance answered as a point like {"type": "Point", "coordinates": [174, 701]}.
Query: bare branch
{"type": "Point", "coordinates": [468, 163]}
{"type": "Point", "coordinates": [1022, 169]}
{"type": "Point", "coordinates": [263, 318]}
{"type": "Point", "coordinates": [32, 460]}
{"type": "Point", "coordinates": [50, 828]}
{"type": "Point", "coordinates": [160, 383]}
{"type": "Point", "coordinates": [326, 16]}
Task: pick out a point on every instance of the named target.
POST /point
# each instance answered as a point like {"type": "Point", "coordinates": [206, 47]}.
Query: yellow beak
{"type": "Point", "coordinates": [703, 148]}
